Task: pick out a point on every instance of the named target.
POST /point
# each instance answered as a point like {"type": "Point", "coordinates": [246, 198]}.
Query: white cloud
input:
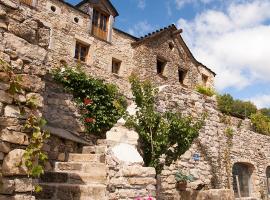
{"type": "Point", "coordinates": [141, 4]}
{"type": "Point", "coordinates": [235, 43]}
{"type": "Point", "coordinates": [181, 3]}
{"type": "Point", "coordinates": [262, 101]}
{"type": "Point", "coordinates": [141, 28]}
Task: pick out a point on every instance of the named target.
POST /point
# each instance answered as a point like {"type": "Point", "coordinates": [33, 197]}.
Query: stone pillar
{"type": "Point", "coordinates": [110, 27]}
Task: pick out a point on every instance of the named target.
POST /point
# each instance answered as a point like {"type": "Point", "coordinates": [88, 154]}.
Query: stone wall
{"type": "Point", "coordinates": [176, 57]}
{"type": "Point", "coordinates": [218, 152]}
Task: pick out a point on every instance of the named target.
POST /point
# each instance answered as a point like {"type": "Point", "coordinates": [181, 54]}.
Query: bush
{"type": "Point", "coordinates": [237, 108]}
{"type": "Point", "coordinates": [100, 103]}
{"type": "Point", "coordinates": [205, 90]}
{"type": "Point", "coordinates": [265, 111]}
{"type": "Point", "coordinates": [261, 123]}
{"type": "Point", "coordinates": [160, 134]}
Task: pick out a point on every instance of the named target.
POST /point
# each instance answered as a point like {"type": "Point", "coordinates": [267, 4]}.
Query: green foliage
{"type": "Point", "coordinates": [13, 79]}
{"type": "Point", "coordinates": [34, 157]}
{"type": "Point", "coordinates": [261, 123]}
{"type": "Point", "coordinates": [205, 90]}
{"type": "Point", "coordinates": [265, 111]}
{"type": "Point", "coordinates": [237, 108]}
{"type": "Point", "coordinates": [100, 102]}
{"type": "Point", "coordinates": [181, 177]}
{"type": "Point", "coordinates": [166, 135]}
{"type": "Point", "coordinates": [229, 132]}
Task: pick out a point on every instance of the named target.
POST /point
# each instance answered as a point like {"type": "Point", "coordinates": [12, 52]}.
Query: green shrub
{"type": "Point", "coordinates": [237, 108]}
{"type": "Point", "coordinates": [100, 103]}
{"type": "Point", "coordinates": [205, 90]}
{"type": "Point", "coordinates": [265, 111]}
{"type": "Point", "coordinates": [261, 123]}
{"type": "Point", "coordinates": [160, 134]}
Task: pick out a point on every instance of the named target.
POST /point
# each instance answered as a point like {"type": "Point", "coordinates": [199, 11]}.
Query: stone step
{"type": "Point", "coordinates": [94, 149]}
{"type": "Point", "coordinates": [72, 157]}
{"type": "Point", "coordinates": [73, 178]}
{"type": "Point", "coordinates": [80, 167]}
{"type": "Point", "coordinates": [63, 191]}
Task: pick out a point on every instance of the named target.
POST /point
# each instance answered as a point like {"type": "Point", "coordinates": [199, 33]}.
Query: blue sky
{"type": "Point", "coordinates": [232, 37]}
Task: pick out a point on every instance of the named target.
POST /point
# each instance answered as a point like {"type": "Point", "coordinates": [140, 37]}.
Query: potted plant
{"type": "Point", "coordinates": [182, 180]}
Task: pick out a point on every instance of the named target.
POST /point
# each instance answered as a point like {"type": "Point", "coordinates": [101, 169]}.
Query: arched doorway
{"type": "Point", "coordinates": [242, 182]}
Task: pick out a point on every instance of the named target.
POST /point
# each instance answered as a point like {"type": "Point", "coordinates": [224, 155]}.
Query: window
{"type": "Point", "coordinates": [81, 51]}
{"type": "Point", "coordinates": [100, 21]}
{"type": "Point", "coordinates": [160, 66]}
{"type": "Point", "coordinates": [204, 79]}
{"type": "Point", "coordinates": [242, 179]}
{"type": "Point", "coordinates": [171, 45]}
{"type": "Point", "coordinates": [116, 66]}
{"type": "Point", "coordinates": [53, 8]}
{"type": "Point", "coordinates": [27, 2]}
{"type": "Point", "coordinates": [76, 19]}
{"type": "Point", "coordinates": [182, 75]}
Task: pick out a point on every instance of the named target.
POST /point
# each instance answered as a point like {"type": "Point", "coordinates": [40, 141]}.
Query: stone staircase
{"type": "Point", "coordinates": [82, 177]}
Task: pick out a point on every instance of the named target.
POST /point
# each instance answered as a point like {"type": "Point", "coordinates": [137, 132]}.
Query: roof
{"type": "Point", "coordinates": [171, 27]}
{"type": "Point", "coordinates": [127, 34]}
{"type": "Point", "coordinates": [109, 2]}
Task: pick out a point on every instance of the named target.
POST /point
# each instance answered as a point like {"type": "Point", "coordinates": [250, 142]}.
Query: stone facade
{"type": "Point", "coordinates": [217, 151]}
{"type": "Point", "coordinates": [36, 38]}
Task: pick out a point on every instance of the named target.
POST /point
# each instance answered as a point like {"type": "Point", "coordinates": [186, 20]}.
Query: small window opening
{"type": "Point", "coordinates": [171, 45]}
{"type": "Point", "coordinates": [182, 75]}
{"type": "Point", "coordinates": [204, 79]}
{"type": "Point", "coordinates": [53, 8]}
{"type": "Point", "coordinates": [81, 51]}
{"type": "Point", "coordinates": [76, 19]}
{"type": "Point", "coordinates": [160, 66]}
{"type": "Point", "coordinates": [116, 66]}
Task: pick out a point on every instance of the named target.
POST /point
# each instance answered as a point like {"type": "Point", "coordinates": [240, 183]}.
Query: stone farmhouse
{"type": "Point", "coordinates": [36, 35]}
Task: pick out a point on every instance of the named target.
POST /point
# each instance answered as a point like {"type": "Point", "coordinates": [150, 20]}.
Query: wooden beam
{"type": "Point", "coordinates": [179, 31]}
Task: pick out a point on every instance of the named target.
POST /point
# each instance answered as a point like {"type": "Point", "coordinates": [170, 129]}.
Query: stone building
{"type": "Point", "coordinates": [36, 35]}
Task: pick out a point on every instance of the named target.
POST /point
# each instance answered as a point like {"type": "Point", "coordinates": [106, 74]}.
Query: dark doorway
{"type": "Point", "coordinates": [242, 179]}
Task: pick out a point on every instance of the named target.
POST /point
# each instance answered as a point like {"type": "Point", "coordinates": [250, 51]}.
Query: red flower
{"type": "Point", "coordinates": [87, 101]}
{"type": "Point", "coordinates": [89, 120]}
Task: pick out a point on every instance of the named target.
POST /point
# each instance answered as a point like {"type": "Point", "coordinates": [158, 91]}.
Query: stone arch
{"type": "Point", "coordinates": [243, 173]}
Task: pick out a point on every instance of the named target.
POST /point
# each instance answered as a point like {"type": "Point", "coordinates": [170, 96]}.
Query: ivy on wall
{"type": "Point", "coordinates": [34, 157]}
{"type": "Point", "coordinates": [163, 136]}
{"type": "Point", "coordinates": [100, 103]}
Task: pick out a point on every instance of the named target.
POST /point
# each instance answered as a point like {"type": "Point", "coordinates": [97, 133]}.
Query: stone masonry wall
{"type": "Point", "coordinates": [145, 58]}
{"type": "Point", "coordinates": [213, 170]}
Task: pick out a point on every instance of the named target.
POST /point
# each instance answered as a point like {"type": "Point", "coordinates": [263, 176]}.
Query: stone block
{"type": "Point", "coordinates": [23, 30]}
{"type": "Point", "coordinates": [19, 98]}
{"type": "Point", "coordinates": [32, 83]}
{"type": "Point", "coordinates": [12, 111]}
{"type": "Point", "coordinates": [7, 186]}
{"type": "Point", "coordinates": [6, 121]}
{"type": "Point", "coordinates": [142, 181]}
{"type": "Point", "coordinates": [4, 147]}
{"type": "Point", "coordinates": [38, 99]}
{"type": "Point", "coordinates": [14, 137]}
{"type": "Point", "coordinates": [2, 155]}
{"type": "Point", "coordinates": [24, 185]}
{"type": "Point", "coordinates": [24, 49]}
{"type": "Point", "coordinates": [44, 37]}
{"type": "Point", "coordinates": [13, 163]}
{"type": "Point", "coordinates": [4, 76]}
{"type": "Point", "coordinates": [138, 171]}
{"type": "Point", "coordinates": [4, 86]}
{"type": "Point", "coordinates": [11, 4]}
{"type": "Point", "coordinates": [5, 97]}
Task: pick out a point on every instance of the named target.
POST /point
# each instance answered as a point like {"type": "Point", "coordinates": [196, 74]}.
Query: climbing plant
{"type": "Point", "coordinates": [100, 103]}
{"type": "Point", "coordinates": [162, 135]}
{"type": "Point", "coordinates": [34, 157]}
